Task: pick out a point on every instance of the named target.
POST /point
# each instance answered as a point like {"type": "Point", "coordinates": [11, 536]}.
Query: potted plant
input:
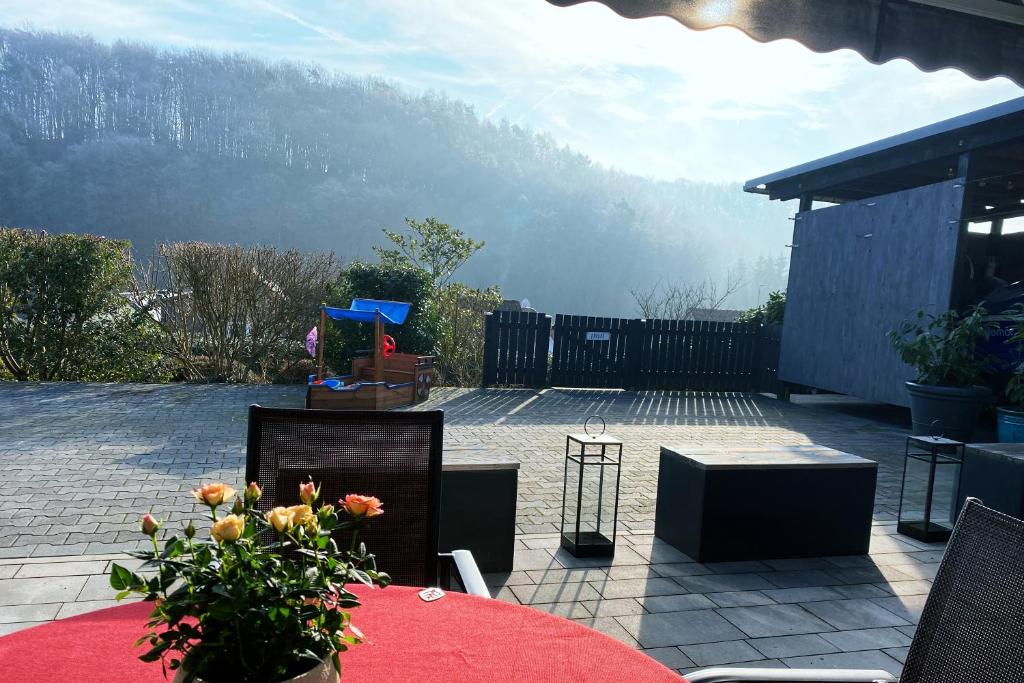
{"type": "Point", "coordinates": [1010, 418]}
{"type": "Point", "coordinates": [264, 598]}
{"type": "Point", "coordinates": [950, 392]}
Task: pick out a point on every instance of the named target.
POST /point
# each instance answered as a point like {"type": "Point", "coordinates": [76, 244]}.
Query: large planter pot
{"type": "Point", "coordinates": [951, 412]}
{"type": "Point", "coordinates": [1010, 425]}
{"type": "Point", "coordinates": [323, 672]}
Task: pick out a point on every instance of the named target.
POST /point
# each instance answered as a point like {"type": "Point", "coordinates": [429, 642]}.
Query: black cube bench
{"type": "Point", "coordinates": [478, 506]}
{"type": "Point", "coordinates": [994, 473]}
{"type": "Point", "coordinates": [764, 503]}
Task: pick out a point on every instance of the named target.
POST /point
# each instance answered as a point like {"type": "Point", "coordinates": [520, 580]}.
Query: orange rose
{"type": "Point", "coordinates": [362, 506]}
{"type": "Point", "coordinates": [213, 494]}
{"type": "Point", "coordinates": [229, 528]}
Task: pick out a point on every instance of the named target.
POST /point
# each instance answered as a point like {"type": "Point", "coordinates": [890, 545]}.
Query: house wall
{"type": "Point", "coordinates": [857, 271]}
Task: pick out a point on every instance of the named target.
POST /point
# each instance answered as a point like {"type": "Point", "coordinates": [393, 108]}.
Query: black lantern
{"type": "Point", "coordinates": [590, 492]}
{"type": "Point", "coordinates": [931, 483]}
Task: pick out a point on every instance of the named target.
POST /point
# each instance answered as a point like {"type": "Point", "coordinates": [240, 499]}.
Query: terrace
{"type": "Point", "coordinates": [84, 461]}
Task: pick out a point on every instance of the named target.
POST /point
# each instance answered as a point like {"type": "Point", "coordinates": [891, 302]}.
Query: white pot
{"type": "Point", "coordinates": [323, 672]}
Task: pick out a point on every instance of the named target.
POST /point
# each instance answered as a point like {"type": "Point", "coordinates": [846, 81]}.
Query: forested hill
{"type": "Point", "coordinates": [152, 145]}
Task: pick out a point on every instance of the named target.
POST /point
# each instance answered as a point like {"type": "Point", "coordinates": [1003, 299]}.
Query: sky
{"type": "Point", "coordinates": [647, 96]}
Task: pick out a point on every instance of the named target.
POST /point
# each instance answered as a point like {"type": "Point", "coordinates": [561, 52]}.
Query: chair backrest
{"type": "Point", "coordinates": [972, 627]}
{"type": "Point", "coordinates": [395, 456]}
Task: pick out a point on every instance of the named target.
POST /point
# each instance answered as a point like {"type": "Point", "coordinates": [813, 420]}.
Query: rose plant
{"type": "Point", "coordinates": [264, 598]}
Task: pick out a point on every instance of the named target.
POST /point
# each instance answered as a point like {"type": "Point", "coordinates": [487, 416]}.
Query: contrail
{"type": "Point", "coordinates": [565, 84]}
{"type": "Point", "coordinates": [339, 38]}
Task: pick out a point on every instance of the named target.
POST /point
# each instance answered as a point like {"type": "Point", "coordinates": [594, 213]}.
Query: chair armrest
{"type": "Point", "coordinates": [469, 574]}
{"type": "Point", "coordinates": [741, 675]}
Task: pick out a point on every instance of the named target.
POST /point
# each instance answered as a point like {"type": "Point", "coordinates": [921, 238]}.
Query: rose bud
{"type": "Point", "coordinates": [252, 492]}
{"type": "Point", "coordinates": [190, 530]}
{"type": "Point", "coordinates": [239, 507]}
{"type": "Point", "coordinates": [308, 492]}
{"type": "Point", "coordinates": [149, 525]}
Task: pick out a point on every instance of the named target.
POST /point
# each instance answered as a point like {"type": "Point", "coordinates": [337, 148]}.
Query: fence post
{"type": "Point", "coordinates": [539, 380]}
{"type": "Point", "coordinates": [634, 350]}
{"type": "Point", "coordinates": [490, 370]}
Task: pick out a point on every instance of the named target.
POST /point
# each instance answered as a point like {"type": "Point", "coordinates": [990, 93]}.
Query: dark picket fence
{"type": "Point", "coordinates": [694, 355]}
{"type": "Point", "coordinates": [516, 348]}
{"type": "Point", "coordinates": [588, 351]}
{"type": "Point", "coordinates": [594, 352]}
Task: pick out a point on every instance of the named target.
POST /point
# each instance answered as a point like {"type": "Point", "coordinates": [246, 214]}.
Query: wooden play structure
{"type": "Point", "coordinates": [380, 379]}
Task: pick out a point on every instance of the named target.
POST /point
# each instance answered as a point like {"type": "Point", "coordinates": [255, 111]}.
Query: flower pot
{"type": "Point", "coordinates": [323, 672]}
{"type": "Point", "coordinates": [1010, 425]}
{"type": "Point", "coordinates": [951, 412]}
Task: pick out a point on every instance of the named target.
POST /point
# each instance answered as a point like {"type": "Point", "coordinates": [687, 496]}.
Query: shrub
{"type": "Point", "coordinates": [234, 313]}
{"type": "Point", "coordinates": [395, 281]}
{"type": "Point", "coordinates": [461, 313]}
{"type": "Point", "coordinates": [771, 312]}
{"type": "Point", "coordinates": [63, 310]}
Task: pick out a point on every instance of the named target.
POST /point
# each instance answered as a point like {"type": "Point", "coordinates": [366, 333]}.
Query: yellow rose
{"type": "Point", "coordinates": [280, 518]}
{"type": "Point", "coordinates": [229, 528]}
{"type": "Point", "coordinates": [301, 514]}
{"type": "Point", "coordinates": [213, 494]}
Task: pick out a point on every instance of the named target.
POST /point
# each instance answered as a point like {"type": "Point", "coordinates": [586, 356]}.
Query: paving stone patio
{"type": "Point", "coordinates": [79, 463]}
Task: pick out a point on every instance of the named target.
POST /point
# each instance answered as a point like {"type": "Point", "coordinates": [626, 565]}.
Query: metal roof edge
{"type": "Point", "coordinates": [985, 114]}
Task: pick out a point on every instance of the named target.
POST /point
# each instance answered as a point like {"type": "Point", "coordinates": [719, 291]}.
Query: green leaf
{"type": "Point", "coordinates": [124, 580]}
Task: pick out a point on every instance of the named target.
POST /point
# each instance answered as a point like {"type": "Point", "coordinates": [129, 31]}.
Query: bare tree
{"type": "Point", "coordinates": [232, 312]}
{"type": "Point", "coordinates": [681, 301]}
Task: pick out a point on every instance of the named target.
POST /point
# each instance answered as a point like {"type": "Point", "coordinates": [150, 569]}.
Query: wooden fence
{"type": "Point", "coordinates": [516, 348]}
{"type": "Point", "coordinates": [588, 351]}
{"type": "Point", "coordinates": [681, 355]}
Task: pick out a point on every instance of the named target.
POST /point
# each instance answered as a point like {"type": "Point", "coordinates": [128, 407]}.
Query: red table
{"type": "Point", "coordinates": [457, 638]}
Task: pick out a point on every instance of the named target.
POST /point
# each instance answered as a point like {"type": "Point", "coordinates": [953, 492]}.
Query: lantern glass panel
{"type": "Point", "coordinates": [590, 500]}
{"type": "Point", "coordinates": [930, 491]}
{"type": "Point", "coordinates": [595, 510]}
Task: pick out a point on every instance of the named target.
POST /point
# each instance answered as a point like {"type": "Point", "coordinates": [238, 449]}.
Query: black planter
{"type": "Point", "coordinates": [951, 412]}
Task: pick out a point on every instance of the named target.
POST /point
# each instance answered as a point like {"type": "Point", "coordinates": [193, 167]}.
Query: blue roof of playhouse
{"type": "Point", "coordinates": [364, 311]}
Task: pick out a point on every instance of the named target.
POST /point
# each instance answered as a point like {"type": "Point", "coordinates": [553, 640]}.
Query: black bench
{"type": "Point", "coordinates": [478, 506]}
{"type": "Point", "coordinates": [764, 503]}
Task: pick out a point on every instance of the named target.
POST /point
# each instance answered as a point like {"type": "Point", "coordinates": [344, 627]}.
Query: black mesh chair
{"type": "Point", "coordinates": [972, 627]}
{"type": "Point", "coordinates": [393, 456]}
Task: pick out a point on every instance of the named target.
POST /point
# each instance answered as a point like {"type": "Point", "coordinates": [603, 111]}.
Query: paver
{"type": "Point", "coordinates": [99, 455]}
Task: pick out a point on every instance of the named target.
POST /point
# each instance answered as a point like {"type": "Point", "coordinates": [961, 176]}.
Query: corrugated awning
{"type": "Point", "coordinates": [982, 38]}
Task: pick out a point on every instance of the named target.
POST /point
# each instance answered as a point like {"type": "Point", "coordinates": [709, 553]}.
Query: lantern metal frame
{"type": "Point", "coordinates": [591, 543]}
{"type": "Point", "coordinates": [935, 451]}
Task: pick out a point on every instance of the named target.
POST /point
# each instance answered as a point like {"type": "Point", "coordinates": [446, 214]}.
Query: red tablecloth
{"type": "Point", "coordinates": [457, 638]}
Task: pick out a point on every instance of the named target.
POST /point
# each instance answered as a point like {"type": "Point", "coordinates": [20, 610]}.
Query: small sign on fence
{"type": "Point", "coordinates": [599, 336]}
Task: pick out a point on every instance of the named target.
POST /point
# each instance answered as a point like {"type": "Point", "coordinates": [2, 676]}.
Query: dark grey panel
{"type": "Point", "coordinates": [847, 290]}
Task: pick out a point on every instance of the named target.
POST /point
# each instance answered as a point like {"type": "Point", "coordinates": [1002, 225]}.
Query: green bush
{"type": "Point", "coordinates": [772, 312]}
{"type": "Point", "coordinates": [461, 312]}
{"type": "Point", "coordinates": [395, 281]}
{"type": "Point", "coordinates": [63, 310]}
